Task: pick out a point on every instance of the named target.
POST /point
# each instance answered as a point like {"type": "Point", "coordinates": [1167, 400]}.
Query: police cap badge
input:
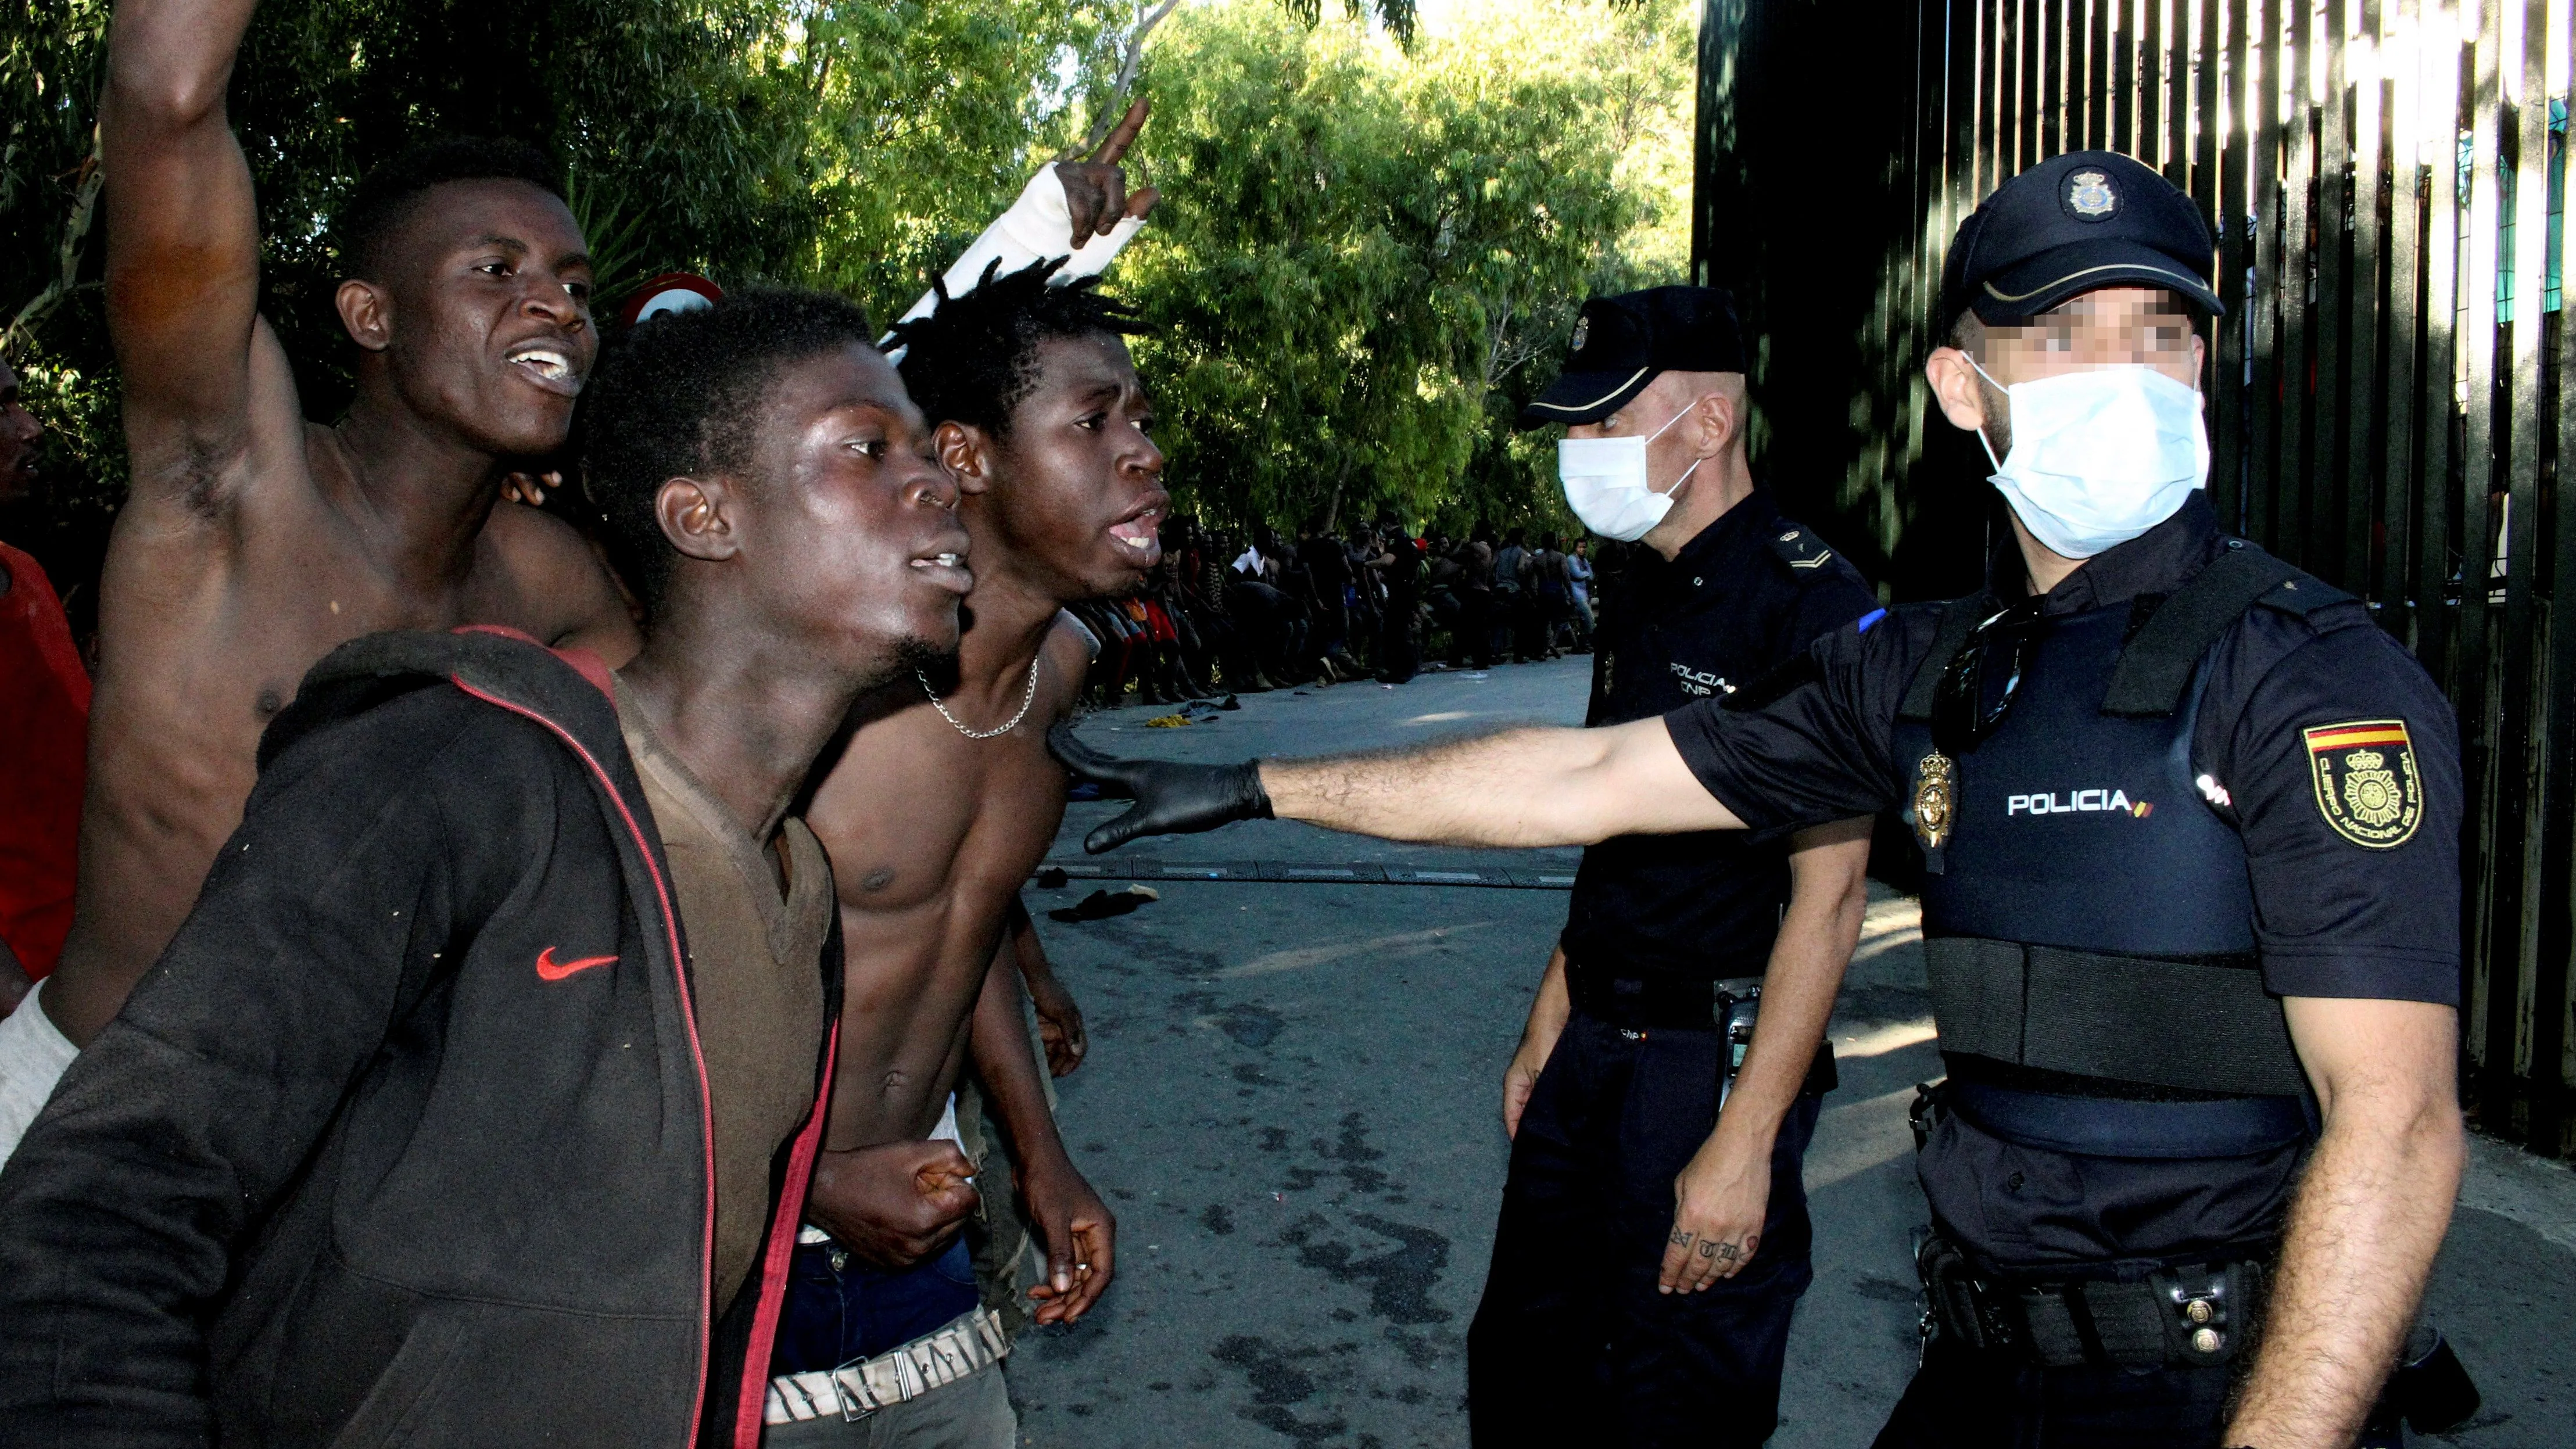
{"type": "Point", "coordinates": [2089, 196]}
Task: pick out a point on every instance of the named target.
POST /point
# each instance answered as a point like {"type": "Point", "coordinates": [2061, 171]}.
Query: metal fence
{"type": "Point", "coordinates": [2386, 178]}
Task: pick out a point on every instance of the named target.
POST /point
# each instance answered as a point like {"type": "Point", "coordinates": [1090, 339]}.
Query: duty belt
{"type": "Point", "coordinates": [1640, 999]}
{"type": "Point", "coordinates": [1638, 1002]}
{"type": "Point", "coordinates": [2178, 1317]}
{"type": "Point", "coordinates": [935, 1360]}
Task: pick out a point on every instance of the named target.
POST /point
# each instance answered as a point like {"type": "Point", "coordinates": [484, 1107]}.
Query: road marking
{"type": "Point", "coordinates": [1380, 948]}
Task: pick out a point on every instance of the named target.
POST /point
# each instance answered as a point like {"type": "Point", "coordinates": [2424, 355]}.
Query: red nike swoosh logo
{"type": "Point", "coordinates": [550, 969]}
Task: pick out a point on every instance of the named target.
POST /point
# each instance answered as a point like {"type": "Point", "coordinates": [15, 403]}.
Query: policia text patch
{"type": "Point", "coordinates": [2367, 785]}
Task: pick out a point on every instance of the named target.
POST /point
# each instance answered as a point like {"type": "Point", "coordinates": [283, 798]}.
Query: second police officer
{"type": "Point", "coordinates": [2191, 894]}
{"type": "Point", "coordinates": [1650, 1251]}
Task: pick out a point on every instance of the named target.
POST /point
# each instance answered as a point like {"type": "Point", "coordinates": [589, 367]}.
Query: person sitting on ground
{"type": "Point", "coordinates": [1042, 420]}
{"type": "Point", "coordinates": [474, 1102]}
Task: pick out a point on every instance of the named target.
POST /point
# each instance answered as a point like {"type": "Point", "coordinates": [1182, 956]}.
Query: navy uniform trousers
{"type": "Point", "coordinates": [1572, 1343]}
{"type": "Point", "coordinates": [1963, 1400]}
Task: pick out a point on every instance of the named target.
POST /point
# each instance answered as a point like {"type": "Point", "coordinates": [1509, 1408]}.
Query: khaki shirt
{"type": "Point", "coordinates": [755, 959]}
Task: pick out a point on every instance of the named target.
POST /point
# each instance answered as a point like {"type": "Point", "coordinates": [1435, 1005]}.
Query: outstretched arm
{"type": "Point", "coordinates": [182, 248]}
{"type": "Point", "coordinates": [2368, 1219]}
{"type": "Point", "coordinates": [1518, 788]}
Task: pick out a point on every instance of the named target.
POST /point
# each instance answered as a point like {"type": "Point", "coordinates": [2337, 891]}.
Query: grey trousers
{"type": "Point", "coordinates": [972, 1413]}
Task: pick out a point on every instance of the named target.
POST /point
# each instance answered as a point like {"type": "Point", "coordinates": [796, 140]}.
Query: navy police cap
{"type": "Point", "coordinates": [2073, 224]}
{"type": "Point", "coordinates": [1622, 342]}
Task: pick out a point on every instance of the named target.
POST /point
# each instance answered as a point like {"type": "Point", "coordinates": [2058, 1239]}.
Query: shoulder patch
{"type": "Point", "coordinates": [1800, 549]}
{"type": "Point", "coordinates": [2367, 785]}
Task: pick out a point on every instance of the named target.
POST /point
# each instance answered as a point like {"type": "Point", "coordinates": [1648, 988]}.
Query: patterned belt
{"type": "Point", "coordinates": [934, 1360]}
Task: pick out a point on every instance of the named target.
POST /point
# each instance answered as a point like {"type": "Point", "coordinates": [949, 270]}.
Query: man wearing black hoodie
{"type": "Point", "coordinates": [431, 1123]}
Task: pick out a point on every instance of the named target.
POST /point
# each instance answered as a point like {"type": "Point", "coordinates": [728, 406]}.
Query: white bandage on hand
{"type": "Point", "coordinates": [33, 1056]}
{"type": "Point", "coordinates": [1038, 227]}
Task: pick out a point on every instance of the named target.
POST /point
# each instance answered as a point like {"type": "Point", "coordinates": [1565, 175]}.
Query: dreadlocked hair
{"type": "Point", "coordinates": [683, 394]}
{"type": "Point", "coordinates": [974, 358]}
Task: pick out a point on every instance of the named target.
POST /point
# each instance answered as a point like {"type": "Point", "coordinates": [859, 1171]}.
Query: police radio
{"type": "Point", "coordinates": [1735, 1007]}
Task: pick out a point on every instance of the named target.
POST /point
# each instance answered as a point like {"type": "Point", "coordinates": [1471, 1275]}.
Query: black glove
{"type": "Point", "coordinates": [1171, 798]}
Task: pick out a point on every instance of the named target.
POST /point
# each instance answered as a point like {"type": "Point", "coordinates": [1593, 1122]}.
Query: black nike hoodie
{"type": "Point", "coordinates": [351, 1168]}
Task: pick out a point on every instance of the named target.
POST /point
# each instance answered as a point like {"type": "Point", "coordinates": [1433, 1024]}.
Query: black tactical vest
{"type": "Point", "coordinates": [2089, 915]}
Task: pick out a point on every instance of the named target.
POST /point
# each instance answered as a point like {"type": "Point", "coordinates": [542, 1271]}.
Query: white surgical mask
{"type": "Point", "coordinates": [2100, 456]}
{"type": "Point", "coordinates": [1605, 482]}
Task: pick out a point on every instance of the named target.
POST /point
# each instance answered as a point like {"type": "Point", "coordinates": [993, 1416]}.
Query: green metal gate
{"type": "Point", "coordinates": [2386, 178]}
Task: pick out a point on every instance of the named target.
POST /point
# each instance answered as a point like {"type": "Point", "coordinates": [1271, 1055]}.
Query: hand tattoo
{"type": "Point", "coordinates": [1681, 1239]}
{"type": "Point", "coordinates": [1726, 1252]}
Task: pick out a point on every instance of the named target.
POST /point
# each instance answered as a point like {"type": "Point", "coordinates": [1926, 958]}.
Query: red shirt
{"type": "Point", "coordinates": [44, 735]}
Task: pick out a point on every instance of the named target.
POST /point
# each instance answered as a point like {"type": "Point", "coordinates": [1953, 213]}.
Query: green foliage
{"type": "Point", "coordinates": [1368, 260]}
{"type": "Point", "coordinates": [1373, 234]}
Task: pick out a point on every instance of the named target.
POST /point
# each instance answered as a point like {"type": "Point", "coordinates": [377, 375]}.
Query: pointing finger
{"type": "Point", "coordinates": [1124, 135]}
{"type": "Point", "coordinates": [1113, 202]}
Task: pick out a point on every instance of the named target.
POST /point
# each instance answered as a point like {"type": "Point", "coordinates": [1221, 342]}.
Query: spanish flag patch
{"type": "Point", "coordinates": [2367, 785]}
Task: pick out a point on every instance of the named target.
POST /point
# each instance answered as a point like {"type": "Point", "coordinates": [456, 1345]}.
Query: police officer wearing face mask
{"type": "Point", "coordinates": [2191, 904]}
{"type": "Point", "coordinates": [1651, 1249]}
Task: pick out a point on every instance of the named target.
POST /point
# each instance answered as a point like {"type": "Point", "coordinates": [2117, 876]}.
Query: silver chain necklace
{"type": "Point", "coordinates": [1026, 700]}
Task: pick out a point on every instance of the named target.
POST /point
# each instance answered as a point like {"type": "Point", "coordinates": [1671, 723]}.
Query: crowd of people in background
{"type": "Point", "coordinates": [1228, 613]}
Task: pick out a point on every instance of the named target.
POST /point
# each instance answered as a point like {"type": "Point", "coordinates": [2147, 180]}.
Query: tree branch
{"type": "Point", "coordinates": [66, 280]}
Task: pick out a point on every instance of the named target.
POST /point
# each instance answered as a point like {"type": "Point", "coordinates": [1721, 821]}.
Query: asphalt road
{"type": "Point", "coordinates": [1292, 1104]}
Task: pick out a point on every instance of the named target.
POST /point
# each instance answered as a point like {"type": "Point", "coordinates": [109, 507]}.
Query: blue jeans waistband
{"type": "Point", "coordinates": [836, 1313]}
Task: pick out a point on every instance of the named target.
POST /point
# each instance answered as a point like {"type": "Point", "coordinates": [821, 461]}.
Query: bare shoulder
{"type": "Point", "coordinates": [1071, 633]}
{"type": "Point", "coordinates": [1069, 651]}
{"type": "Point", "coordinates": [547, 579]}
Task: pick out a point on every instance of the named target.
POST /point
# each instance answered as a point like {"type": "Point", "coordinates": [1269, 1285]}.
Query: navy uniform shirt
{"type": "Point", "coordinates": [1750, 593]}
{"type": "Point", "coordinates": [2333, 915]}
{"type": "Point", "coordinates": [2336, 913]}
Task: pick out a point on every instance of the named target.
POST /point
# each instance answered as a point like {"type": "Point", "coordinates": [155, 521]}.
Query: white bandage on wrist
{"type": "Point", "coordinates": [1038, 226]}
{"type": "Point", "coordinates": [33, 1056]}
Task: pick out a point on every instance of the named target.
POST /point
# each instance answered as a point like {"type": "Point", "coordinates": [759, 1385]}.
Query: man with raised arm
{"type": "Point", "coordinates": [1039, 415]}
{"type": "Point", "coordinates": [254, 540]}
{"type": "Point", "coordinates": [2191, 829]}
{"type": "Point", "coordinates": [474, 1102]}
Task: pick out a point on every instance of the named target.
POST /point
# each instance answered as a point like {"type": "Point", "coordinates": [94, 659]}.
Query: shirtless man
{"type": "Point", "coordinates": [254, 541]}
{"type": "Point", "coordinates": [1041, 419]}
